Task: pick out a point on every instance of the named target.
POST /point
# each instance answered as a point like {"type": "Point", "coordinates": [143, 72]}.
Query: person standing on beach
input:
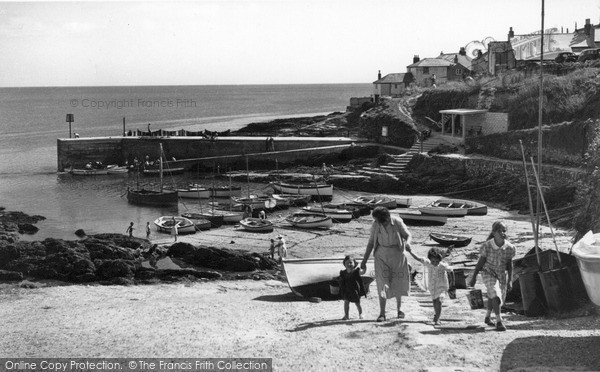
{"type": "Point", "coordinates": [148, 230]}
{"type": "Point", "coordinates": [272, 249]}
{"type": "Point", "coordinates": [281, 248]}
{"type": "Point", "coordinates": [388, 238]}
{"type": "Point", "coordinates": [130, 230]}
{"type": "Point", "coordinates": [351, 286]}
{"type": "Point", "coordinates": [435, 278]}
{"type": "Point", "coordinates": [495, 263]}
{"type": "Point", "coordinates": [174, 230]}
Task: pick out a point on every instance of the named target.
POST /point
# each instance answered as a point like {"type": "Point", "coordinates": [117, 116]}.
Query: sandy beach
{"type": "Point", "coordinates": [262, 318]}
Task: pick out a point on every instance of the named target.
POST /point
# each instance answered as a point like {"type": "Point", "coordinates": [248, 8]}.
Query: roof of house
{"type": "Point", "coordinates": [432, 62]}
{"type": "Point", "coordinates": [395, 78]}
{"type": "Point", "coordinates": [462, 59]}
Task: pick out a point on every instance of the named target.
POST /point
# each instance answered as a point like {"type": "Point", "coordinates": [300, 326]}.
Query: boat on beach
{"type": "Point", "coordinates": [116, 169]}
{"type": "Point", "coordinates": [336, 214]}
{"type": "Point", "coordinates": [255, 201]}
{"type": "Point", "coordinates": [184, 225]}
{"type": "Point", "coordinates": [198, 220]}
{"type": "Point", "coordinates": [473, 208]}
{"type": "Point", "coordinates": [194, 191]}
{"type": "Point", "coordinates": [312, 277]}
{"type": "Point", "coordinates": [153, 171]}
{"type": "Point", "coordinates": [450, 239]}
{"type": "Point", "coordinates": [225, 191]}
{"type": "Point", "coordinates": [310, 220]}
{"type": "Point", "coordinates": [411, 218]}
{"type": "Point", "coordinates": [443, 211]}
{"type": "Point", "coordinates": [88, 172]}
{"type": "Point", "coordinates": [316, 191]}
{"type": "Point", "coordinates": [356, 209]}
{"type": "Point", "coordinates": [256, 224]}
{"type": "Point", "coordinates": [373, 201]}
{"type": "Point", "coordinates": [295, 200]}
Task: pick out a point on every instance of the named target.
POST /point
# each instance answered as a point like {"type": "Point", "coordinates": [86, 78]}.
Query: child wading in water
{"type": "Point", "coordinates": [435, 278]}
{"type": "Point", "coordinates": [495, 263]}
{"type": "Point", "coordinates": [351, 286]}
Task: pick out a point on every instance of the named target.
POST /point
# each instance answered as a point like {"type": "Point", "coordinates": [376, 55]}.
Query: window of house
{"type": "Point", "coordinates": [458, 71]}
{"type": "Point", "coordinates": [425, 70]}
{"type": "Point", "coordinates": [395, 86]}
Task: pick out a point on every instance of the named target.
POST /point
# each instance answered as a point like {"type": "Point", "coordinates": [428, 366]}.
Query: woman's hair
{"type": "Point", "coordinates": [349, 258]}
{"type": "Point", "coordinates": [496, 226]}
{"type": "Point", "coordinates": [381, 214]}
{"type": "Point", "coordinates": [435, 253]}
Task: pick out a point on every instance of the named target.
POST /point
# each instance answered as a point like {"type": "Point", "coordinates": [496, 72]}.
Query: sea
{"type": "Point", "coordinates": [33, 118]}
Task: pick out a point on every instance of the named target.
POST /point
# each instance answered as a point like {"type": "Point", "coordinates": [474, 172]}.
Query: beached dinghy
{"type": "Point", "coordinates": [194, 191]}
{"type": "Point", "coordinates": [184, 225]}
{"type": "Point", "coordinates": [256, 224]}
{"type": "Point", "coordinates": [450, 239]}
{"type": "Point", "coordinates": [443, 211]}
{"type": "Point", "coordinates": [308, 220]}
{"type": "Point", "coordinates": [198, 220]}
{"type": "Point", "coordinates": [373, 201]}
{"type": "Point", "coordinates": [473, 208]}
{"type": "Point", "coordinates": [336, 214]}
{"type": "Point", "coordinates": [312, 277]}
{"type": "Point", "coordinates": [225, 191]}
{"type": "Point", "coordinates": [410, 218]}
{"type": "Point", "coordinates": [316, 191]}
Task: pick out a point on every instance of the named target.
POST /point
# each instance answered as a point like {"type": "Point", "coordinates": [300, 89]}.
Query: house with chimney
{"type": "Point", "coordinates": [428, 72]}
{"type": "Point", "coordinates": [391, 84]}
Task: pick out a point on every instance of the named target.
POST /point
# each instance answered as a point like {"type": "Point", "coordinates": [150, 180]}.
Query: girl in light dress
{"type": "Point", "coordinates": [495, 264]}
{"type": "Point", "coordinates": [435, 278]}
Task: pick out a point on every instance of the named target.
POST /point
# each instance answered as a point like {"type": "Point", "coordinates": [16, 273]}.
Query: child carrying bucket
{"type": "Point", "coordinates": [351, 286]}
{"type": "Point", "coordinates": [495, 264]}
{"type": "Point", "coordinates": [435, 278]}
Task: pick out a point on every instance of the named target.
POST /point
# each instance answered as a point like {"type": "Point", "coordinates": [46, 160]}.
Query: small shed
{"type": "Point", "coordinates": [463, 123]}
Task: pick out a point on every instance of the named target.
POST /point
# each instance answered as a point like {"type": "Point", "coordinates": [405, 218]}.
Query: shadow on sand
{"type": "Point", "coordinates": [552, 352]}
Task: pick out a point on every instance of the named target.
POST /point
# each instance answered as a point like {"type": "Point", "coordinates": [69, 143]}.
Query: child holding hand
{"type": "Point", "coordinates": [495, 263]}
{"type": "Point", "coordinates": [351, 286]}
{"type": "Point", "coordinates": [435, 278]}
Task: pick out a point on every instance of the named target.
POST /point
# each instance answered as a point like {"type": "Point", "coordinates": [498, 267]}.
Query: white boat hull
{"type": "Point", "coordinates": [256, 224]}
{"type": "Point", "coordinates": [422, 219]}
{"type": "Point", "coordinates": [184, 225]}
{"type": "Point", "coordinates": [311, 277]}
{"type": "Point", "coordinates": [473, 208]}
{"type": "Point", "coordinates": [310, 221]}
{"type": "Point", "coordinates": [319, 190]}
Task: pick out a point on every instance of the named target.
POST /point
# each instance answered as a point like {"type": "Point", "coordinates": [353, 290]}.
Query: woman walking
{"type": "Point", "coordinates": [389, 237]}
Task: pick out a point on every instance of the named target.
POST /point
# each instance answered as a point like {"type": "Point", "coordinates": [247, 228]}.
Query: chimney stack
{"type": "Point", "coordinates": [462, 51]}
{"type": "Point", "coordinates": [511, 34]}
{"type": "Point", "coordinates": [456, 58]}
{"type": "Point", "coordinates": [587, 27]}
{"type": "Point", "coordinates": [416, 58]}
{"type": "Point", "coordinates": [379, 75]}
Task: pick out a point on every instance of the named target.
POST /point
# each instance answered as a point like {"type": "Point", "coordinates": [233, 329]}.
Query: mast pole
{"type": "Point", "coordinates": [160, 162]}
{"type": "Point", "coordinates": [540, 112]}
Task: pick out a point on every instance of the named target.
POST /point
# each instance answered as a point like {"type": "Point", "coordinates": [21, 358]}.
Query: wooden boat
{"type": "Point", "coordinates": [312, 277]}
{"type": "Point", "coordinates": [194, 192]}
{"type": "Point", "coordinates": [473, 208]}
{"type": "Point", "coordinates": [256, 202]}
{"type": "Point", "coordinates": [115, 169]}
{"type": "Point", "coordinates": [198, 220]}
{"type": "Point", "coordinates": [324, 191]}
{"type": "Point", "coordinates": [88, 172]}
{"type": "Point", "coordinates": [296, 200]}
{"type": "Point", "coordinates": [442, 211]}
{"type": "Point", "coordinates": [184, 225]}
{"type": "Point", "coordinates": [310, 220]}
{"type": "Point", "coordinates": [215, 217]}
{"type": "Point", "coordinates": [225, 191]}
{"type": "Point", "coordinates": [139, 195]}
{"type": "Point", "coordinates": [421, 219]}
{"type": "Point", "coordinates": [356, 209]}
{"type": "Point", "coordinates": [152, 171]}
{"type": "Point", "coordinates": [336, 214]}
{"type": "Point", "coordinates": [382, 201]}
{"type": "Point", "coordinates": [450, 239]}
{"type": "Point", "coordinates": [256, 224]}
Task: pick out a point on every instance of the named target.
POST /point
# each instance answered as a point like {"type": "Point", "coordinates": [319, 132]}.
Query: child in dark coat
{"type": "Point", "coordinates": [351, 286]}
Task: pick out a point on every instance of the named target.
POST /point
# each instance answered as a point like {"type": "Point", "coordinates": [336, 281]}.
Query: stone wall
{"type": "Point", "coordinates": [78, 152]}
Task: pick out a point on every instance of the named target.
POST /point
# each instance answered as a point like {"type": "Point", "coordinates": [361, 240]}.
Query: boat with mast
{"type": "Point", "coordinates": [140, 195]}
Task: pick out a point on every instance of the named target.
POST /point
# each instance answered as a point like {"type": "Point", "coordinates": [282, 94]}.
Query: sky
{"type": "Point", "coordinates": [224, 42]}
